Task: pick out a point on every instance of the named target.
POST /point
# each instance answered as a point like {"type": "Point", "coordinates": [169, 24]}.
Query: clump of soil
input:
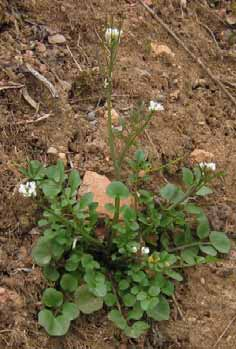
{"type": "Point", "coordinates": [197, 115]}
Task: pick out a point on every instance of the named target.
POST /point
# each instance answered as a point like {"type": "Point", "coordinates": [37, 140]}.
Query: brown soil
{"type": "Point", "coordinates": [197, 115]}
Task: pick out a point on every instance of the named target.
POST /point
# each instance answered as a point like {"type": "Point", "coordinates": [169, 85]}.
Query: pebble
{"type": "Point", "coordinates": [91, 116]}
{"type": "Point", "coordinates": [56, 39]}
{"type": "Point", "coordinates": [40, 47]}
{"type": "Point", "coordinates": [62, 156]}
{"type": "Point", "coordinates": [52, 150]}
{"type": "Point", "coordinates": [203, 281]}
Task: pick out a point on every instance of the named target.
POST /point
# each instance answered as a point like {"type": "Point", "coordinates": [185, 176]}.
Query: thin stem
{"type": "Point", "coordinates": [115, 220]}
{"type": "Point", "coordinates": [183, 247]}
{"type": "Point", "coordinates": [131, 140]}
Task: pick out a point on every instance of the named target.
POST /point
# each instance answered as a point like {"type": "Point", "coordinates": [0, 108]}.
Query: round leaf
{"type": "Point", "coordinates": [117, 190]}
{"type": "Point", "coordinates": [55, 326]}
{"type": "Point", "coordinates": [220, 241]}
{"type": "Point", "coordinates": [129, 300]}
{"type": "Point", "coordinates": [69, 283]}
{"type": "Point", "coordinates": [123, 284]}
{"type": "Point", "coordinates": [116, 317]}
{"type": "Point", "coordinates": [137, 329]}
{"type": "Point", "coordinates": [70, 310]}
{"type": "Point", "coordinates": [110, 299]}
{"type": "Point", "coordinates": [136, 313]}
{"type": "Point", "coordinates": [51, 273]}
{"type": "Point", "coordinates": [161, 310]}
{"type": "Point", "coordinates": [41, 252]}
{"type": "Point", "coordinates": [52, 298]}
{"type": "Point", "coordinates": [86, 301]}
{"type": "Point", "coordinates": [187, 176]}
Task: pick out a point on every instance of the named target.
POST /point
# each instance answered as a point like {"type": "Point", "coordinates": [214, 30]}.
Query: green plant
{"type": "Point", "coordinates": [132, 270]}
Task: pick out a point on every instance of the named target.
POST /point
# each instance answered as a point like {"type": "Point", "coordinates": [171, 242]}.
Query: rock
{"type": "Point", "coordinates": [97, 184]}
{"type": "Point", "coordinates": [62, 156]}
{"type": "Point", "coordinates": [160, 50]}
{"type": "Point", "coordinates": [40, 47]}
{"type": "Point", "coordinates": [231, 19]}
{"type": "Point", "coordinates": [200, 155]}
{"type": "Point", "coordinates": [56, 39]}
{"type": "Point", "coordinates": [91, 116]}
{"type": "Point", "coordinates": [114, 117]}
{"type": "Point", "coordinates": [52, 150]}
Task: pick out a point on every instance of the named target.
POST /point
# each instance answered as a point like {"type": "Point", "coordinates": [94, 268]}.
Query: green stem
{"type": "Point", "coordinates": [183, 247]}
{"type": "Point", "coordinates": [131, 140]}
{"type": "Point", "coordinates": [115, 220]}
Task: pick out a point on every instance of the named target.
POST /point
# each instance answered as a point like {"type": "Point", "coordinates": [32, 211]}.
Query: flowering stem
{"type": "Point", "coordinates": [183, 247]}
{"type": "Point", "coordinates": [115, 221]}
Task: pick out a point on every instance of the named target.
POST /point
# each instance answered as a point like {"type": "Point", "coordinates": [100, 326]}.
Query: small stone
{"type": "Point", "coordinates": [160, 98]}
{"type": "Point", "coordinates": [203, 281]}
{"type": "Point", "coordinates": [200, 83]}
{"type": "Point", "coordinates": [52, 150]}
{"type": "Point", "coordinates": [62, 156]}
{"type": "Point", "coordinates": [91, 116]}
{"type": "Point", "coordinates": [231, 19]}
{"type": "Point", "coordinates": [40, 47]}
{"type": "Point", "coordinates": [56, 39]}
{"type": "Point", "coordinates": [200, 155]}
{"type": "Point", "coordinates": [160, 50]}
{"type": "Point", "coordinates": [97, 184]}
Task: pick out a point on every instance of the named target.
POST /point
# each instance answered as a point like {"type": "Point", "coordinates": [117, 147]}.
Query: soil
{"type": "Point", "coordinates": [197, 115]}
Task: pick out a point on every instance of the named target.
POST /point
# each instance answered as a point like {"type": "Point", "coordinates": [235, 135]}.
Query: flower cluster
{"type": "Point", "coordinates": [209, 165]}
{"type": "Point", "coordinates": [112, 34]}
{"type": "Point", "coordinates": [155, 106]}
{"type": "Point", "coordinates": [28, 189]}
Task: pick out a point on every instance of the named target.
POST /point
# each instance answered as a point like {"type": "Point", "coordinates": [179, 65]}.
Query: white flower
{"type": "Point", "coordinates": [134, 249]}
{"type": "Point", "coordinates": [28, 189]}
{"type": "Point", "coordinates": [106, 83]}
{"type": "Point", "coordinates": [145, 250]}
{"type": "Point", "coordinates": [112, 34]}
{"type": "Point", "coordinates": [155, 106]}
{"type": "Point", "coordinates": [209, 165]}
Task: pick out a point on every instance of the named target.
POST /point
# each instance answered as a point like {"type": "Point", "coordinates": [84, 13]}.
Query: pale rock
{"type": "Point", "coordinates": [62, 156]}
{"type": "Point", "coordinates": [97, 184]}
{"type": "Point", "coordinates": [56, 39]}
{"type": "Point", "coordinates": [159, 50]}
{"type": "Point", "coordinates": [52, 150]}
{"type": "Point", "coordinates": [200, 155]}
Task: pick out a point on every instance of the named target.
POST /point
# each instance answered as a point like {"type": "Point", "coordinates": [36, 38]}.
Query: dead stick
{"type": "Point", "coordinates": [41, 118]}
{"type": "Point", "coordinates": [73, 57]}
{"type": "Point", "coordinates": [197, 60]}
{"type": "Point", "coordinates": [224, 332]}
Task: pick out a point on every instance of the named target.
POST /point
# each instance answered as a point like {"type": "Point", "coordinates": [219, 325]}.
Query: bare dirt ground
{"type": "Point", "coordinates": [197, 115]}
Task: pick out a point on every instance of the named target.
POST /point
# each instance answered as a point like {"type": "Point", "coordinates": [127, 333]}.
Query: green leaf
{"type": "Point", "coordinates": [69, 283]}
{"type": "Point", "coordinates": [154, 291]}
{"type": "Point", "coordinates": [86, 200]}
{"type": "Point", "coordinates": [118, 319]}
{"type": "Point", "coordinates": [204, 191]}
{"type": "Point", "coordinates": [189, 254]}
{"type": "Point", "coordinates": [52, 298]}
{"type": "Point", "coordinates": [139, 156]}
{"type": "Point", "coordinates": [74, 181]}
{"type": "Point", "coordinates": [193, 209]}
{"type": "Point", "coordinates": [187, 176]}
{"type": "Point", "coordinates": [137, 329]}
{"type": "Point", "coordinates": [35, 170]}
{"type": "Point", "coordinates": [41, 252]}
{"type": "Point", "coordinates": [136, 313]}
{"type": "Point", "coordinates": [70, 310]}
{"type": "Point", "coordinates": [129, 300]}
{"type": "Point", "coordinates": [145, 304]}
{"type": "Point", "coordinates": [174, 275]}
{"type": "Point", "coordinates": [208, 250]}
{"type": "Point", "coordinates": [161, 310]}
{"type": "Point", "coordinates": [55, 326]}
{"type": "Point", "coordinates": [220, 241]}
{"type": "Point", "coordinates": [50, 188]}
{"type": "Point", "coordinates": [86, 301]}
{"type": "Point", "coordinates": [141, 296]}
{"type": "Point", "coordinates": [117, 190]}
{"type": "Point", "coordinates": [123, 285]}
{"type": "Point", "coordinates": [51, 273]}
{"type": "Point", "coordinates": [110, 299]}
{"type": "Point", "coordinates": [203, 229]}
{"type": "Point", "coordinates": [139, 276]}
{"type": "Point", "coordinates": [169, 191]}
{"type": "Point", "coordinates": [110, 207]}
{"type": "Point", "coordinates": [168, 289]}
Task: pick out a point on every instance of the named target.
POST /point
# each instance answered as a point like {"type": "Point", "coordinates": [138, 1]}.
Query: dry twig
{"type": "Point", "coordinates": [10, 86]}
{"type": "Point", "coordinates": [35, 121]}
{"type": "Point", "coordinates": [178, 307]}
{"type": "Point", "coordinates": [224, 332]}
{"type": "Point", "coordinates": [191, 54]}
{"type": "Point", "coordinates": [73, 57]}
{"type": "Point", "coordinates": [45, 81]}
{"type": "Point", "coordinates": [30, 100]}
